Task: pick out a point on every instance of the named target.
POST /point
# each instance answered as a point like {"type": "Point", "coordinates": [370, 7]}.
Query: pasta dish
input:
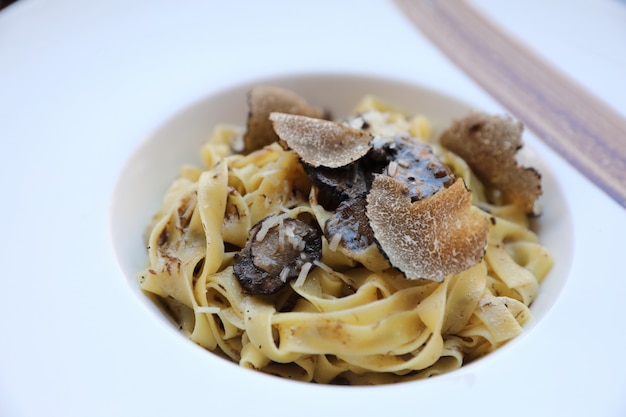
{"type": "Point", "coordinates": [354, 251]}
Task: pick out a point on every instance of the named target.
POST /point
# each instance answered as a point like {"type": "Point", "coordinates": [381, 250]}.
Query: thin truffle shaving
{"type": "Point", "coordinates": [321, 142]}
{"type": "Point", "coordinates": [489, 143]}
{"type": "Point", "coordinates": [264, 99]}
{"type": "Point", "coordinates": [429, 238]}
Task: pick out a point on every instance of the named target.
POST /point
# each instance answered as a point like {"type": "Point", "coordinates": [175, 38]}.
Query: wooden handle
{"type": "Point", "coordinates": [584, 130]}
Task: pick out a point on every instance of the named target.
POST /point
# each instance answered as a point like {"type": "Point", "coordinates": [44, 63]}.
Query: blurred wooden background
{"type": "Point", "coordinates": [5, 3]}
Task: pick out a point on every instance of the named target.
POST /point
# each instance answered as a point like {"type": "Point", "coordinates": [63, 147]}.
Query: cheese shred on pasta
{"type": "Point", "coordinates": [338, 322]}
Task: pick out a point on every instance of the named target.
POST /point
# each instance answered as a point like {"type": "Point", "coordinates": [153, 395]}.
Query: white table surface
{"type": "Point", "coordinates": [82, 82]}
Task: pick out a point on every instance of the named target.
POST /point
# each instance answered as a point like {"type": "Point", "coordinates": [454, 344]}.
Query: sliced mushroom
{"type": "Point", "coordinates": [430, 238]}
{"type": "Point", "coordinates": [415, 164]}
{"type": "Point", "coordinates": [321, 142]}
{"type": "Point", "coordinates": [277, 250]}
{"type": "Point", "coordinates": [264, 99]}
{"type": "Point", "coordinates": [351, 225]}
{"type": "Point", "coordinates": [489, 144]}
{"type": "Point", "coordinates": [337, 184]}
{"type": "Point", "coordinates": [349, 229]}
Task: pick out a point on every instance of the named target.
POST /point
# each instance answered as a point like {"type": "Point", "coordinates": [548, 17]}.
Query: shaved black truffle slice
{"type": "Point", "coordinates": [264, 99]}
{"type": "Point", "coordinates": [489, 144]}
{"type": "Point", "coordinates": [438, 235]}
{"type": "Point", "coordinates": [321, 142]}
{"type": "Point", "coordinates": [278, 249]}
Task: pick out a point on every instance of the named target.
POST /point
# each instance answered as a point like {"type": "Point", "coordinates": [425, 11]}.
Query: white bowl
{"type": "Point", "coordinates": [156, 163]}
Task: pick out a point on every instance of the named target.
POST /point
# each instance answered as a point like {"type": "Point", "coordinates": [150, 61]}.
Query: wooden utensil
{"type": "Point", "coordinates": [584, 130]}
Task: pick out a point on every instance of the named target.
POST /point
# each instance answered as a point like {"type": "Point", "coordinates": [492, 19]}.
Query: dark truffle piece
{"type": "Point", "coordinates": [350, 224]}
{"type": "Point", "coordinates": [336, 185]}
{"type": "Point", "coordinates": [264, 99]}
{"type": "Point", "coordinates": [415, 164]}
{"type": "Point", "coordinates": [489, 144]}
{"type": "Point", "coordinates": [277, 250]}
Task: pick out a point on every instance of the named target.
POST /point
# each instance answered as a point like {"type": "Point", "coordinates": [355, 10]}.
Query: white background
{"type": "Point", "coordinates": [82, 83]}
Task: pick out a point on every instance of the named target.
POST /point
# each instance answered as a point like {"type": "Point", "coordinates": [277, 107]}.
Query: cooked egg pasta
{"type": "Point", "coordinates": [341, 322]}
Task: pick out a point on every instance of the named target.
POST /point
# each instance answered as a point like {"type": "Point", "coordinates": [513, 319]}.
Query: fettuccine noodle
{"type": "Point", "coordinates": [341, 323]}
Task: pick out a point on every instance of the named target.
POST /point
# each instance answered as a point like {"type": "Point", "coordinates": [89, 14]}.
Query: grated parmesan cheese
{"type": "Point", "coordinates": [334, 242]}
{"type": "Point", "coordinates": [323, 266]}
{"type": "Point", "coordinates": [267, 225]}
{"type": "Point", "coordinates": [303, 274]}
